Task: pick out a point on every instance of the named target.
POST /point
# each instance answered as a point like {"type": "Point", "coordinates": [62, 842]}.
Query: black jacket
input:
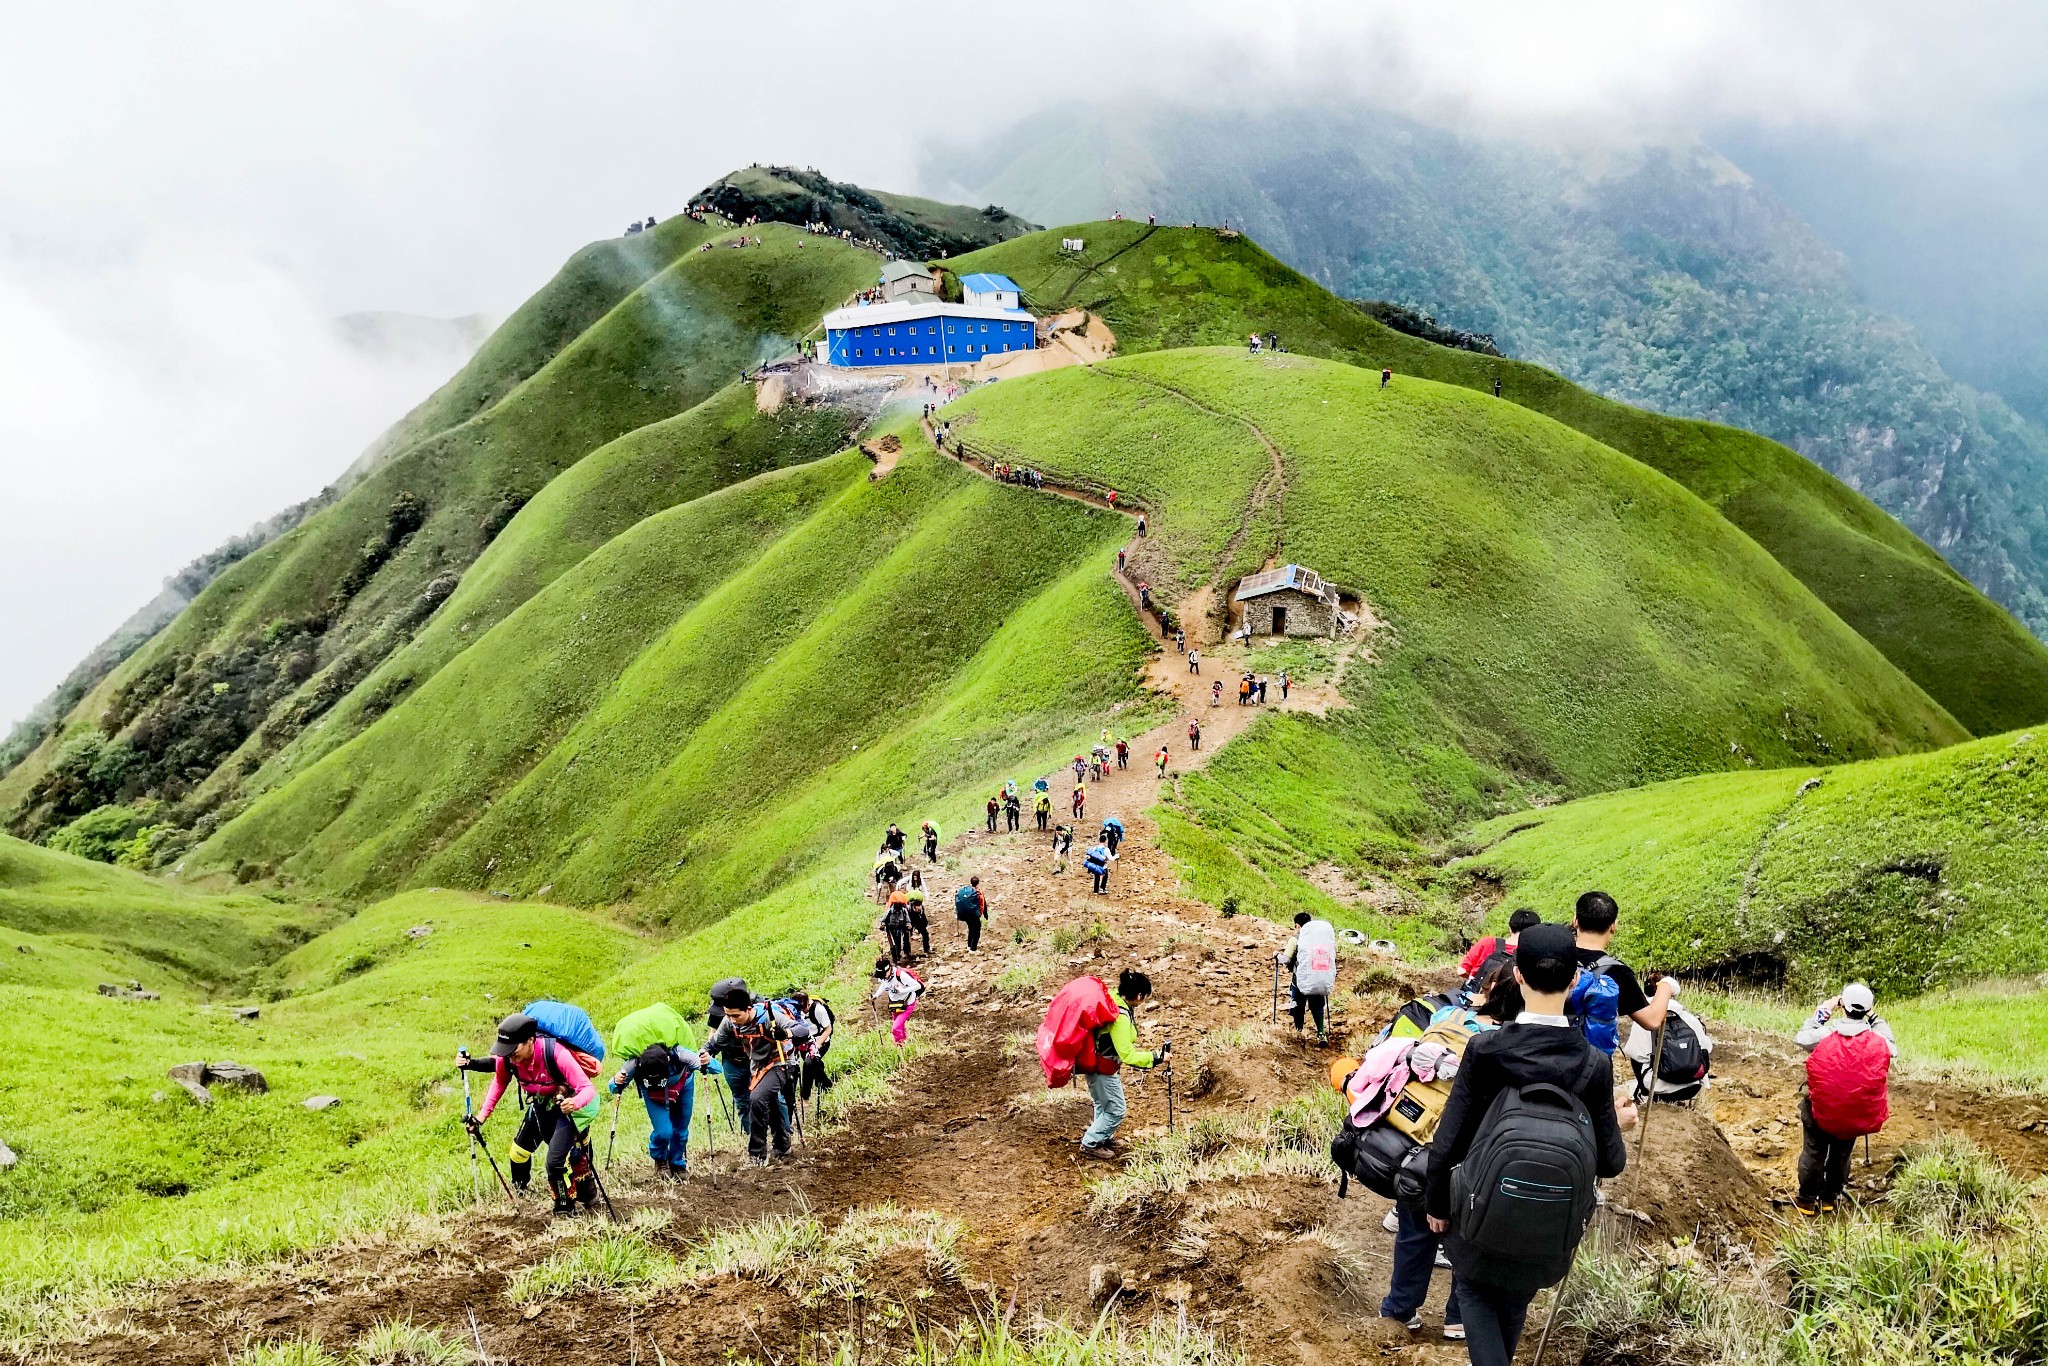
{"type": "Point", "coordinates": [1516, 1055]}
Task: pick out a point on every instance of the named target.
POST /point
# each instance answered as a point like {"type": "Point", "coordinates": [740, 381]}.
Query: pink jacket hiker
{"type": "Point", "coordinates": [565, 1077]}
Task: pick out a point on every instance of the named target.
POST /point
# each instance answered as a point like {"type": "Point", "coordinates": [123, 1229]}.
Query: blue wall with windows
{"type": "Point", "coordinates": [937, 339]}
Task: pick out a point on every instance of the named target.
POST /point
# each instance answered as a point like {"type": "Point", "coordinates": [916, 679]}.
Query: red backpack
{"type": "Point", "coordinates": [1845, 1083]}
{"type": "Point", "coordinates": [1066, 1040]}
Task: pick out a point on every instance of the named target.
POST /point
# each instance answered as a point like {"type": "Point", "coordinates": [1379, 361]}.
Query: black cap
{"type": "Point", "coordinates": [1547, 943]}
{"type": "Point", "coordinates": [514, 1030]}
{"type": "Point", "coordinates": [737, 998]}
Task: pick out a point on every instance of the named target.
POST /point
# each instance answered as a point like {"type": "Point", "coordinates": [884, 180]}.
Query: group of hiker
{"type": "Point", "coordinates": [769, 1053]}
{"type": "Point", "coordinates": [1489, 1113]}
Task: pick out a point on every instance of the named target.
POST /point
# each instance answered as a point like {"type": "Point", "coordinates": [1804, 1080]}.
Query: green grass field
{"type": "Point", "coordinates": [1176, 287]}
{"type": "Point", "coordinates": [1910, 872]}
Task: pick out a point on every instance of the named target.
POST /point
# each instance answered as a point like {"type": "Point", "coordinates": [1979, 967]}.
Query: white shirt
{"type": "Point", "coordinates": [1531, 1017]}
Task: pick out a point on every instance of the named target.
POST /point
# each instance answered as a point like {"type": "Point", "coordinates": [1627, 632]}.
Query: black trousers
{"type": "Point", "coordinates": [1493, 1322]}
{"type": "Point", "coordinates": [811, 1076]}
{"type": "Point", "coordinates": [931, 851]}
{"type": "Point", "coordinates": [546, 1127]}
{"type": "Point", "coordinates": [1043, 817]}
{"type": "Point", "coordinates": [1313, 1004]}
{"type": "Point", "coordinates": [973, 923]}
{"type": "Point", "coordinates": [1102, 881]}
{"type": "Point", "coordinates": [991, 822]}
{"type": "Point", "coordinates": [899, 944]}
{"type": "Point", "coordinates": [1010, 817]}
{"type": "Point", "coordinates": [1823, 1161]}
{"type": "Point", "coordinates": [922, 925]}
{"type": "Point", "coordinates": [765, 1115]}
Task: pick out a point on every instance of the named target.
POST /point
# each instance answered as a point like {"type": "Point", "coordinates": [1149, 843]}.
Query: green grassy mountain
{"type": "Point", "coordinates": [1667, 278]}
{"type": "Point", "coordinates": [918, 228]}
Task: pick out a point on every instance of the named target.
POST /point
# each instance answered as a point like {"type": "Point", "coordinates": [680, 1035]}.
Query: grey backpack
{"type": "Point", "coordinates": [1526, 1187]}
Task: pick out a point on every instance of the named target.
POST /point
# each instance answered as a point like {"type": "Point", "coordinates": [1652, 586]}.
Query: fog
{"type": "Point", "coordinates": [190, 195]}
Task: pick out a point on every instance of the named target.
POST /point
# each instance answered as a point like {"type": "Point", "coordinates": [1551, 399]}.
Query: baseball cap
{"type": "Point", "coordinates": [514, 1030]}
{"type": "Point", "coordinates": [1547, 942]}
{"type": "Point", "coordinates": [1858, 999]}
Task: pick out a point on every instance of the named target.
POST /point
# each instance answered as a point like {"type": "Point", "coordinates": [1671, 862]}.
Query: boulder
{"type": "Point", "coordinates": [419, 931]}
{"type": "Point", "coordinates": [132, 992]}
{"type": "Point", "coordinates": [235, 1074]}
{"type": "Point", "coordinates": [247, 1012]}
{"type": "Point", "coordinates": [318, 1103]}
{"type": "Point", "coordinates": [7, 1157]}
{"type": "Point", "coordinates": [192, 1076]}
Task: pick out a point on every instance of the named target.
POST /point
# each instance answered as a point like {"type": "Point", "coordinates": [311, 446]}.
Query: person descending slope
{"type": "Point", "coordinates": [1123, 751]}
{"type": "Point", "coordinates": [561, 1105]}
{"type": "Point", "coordinates": [931, 842]}
{"type": "Point", "coordinates": [1194, 734]}
{"type": "Point", "coordinates": [1494, 952]}
{"type": "Point", "coordinates": [1607, 988]}
{"type": "Point", "coordinates": [1160, 759]}
{"type": "Point", "coordinates": [660, 1061]}
{"type": "Point", "coordinates": [763, 1041]}
{"type": "Point", "coordinates": [1112, 1047]}
{"type": "Point", "coordinates": [1526, 1132]}
{"type": "Point", "coordinates": [903, 988]}
{"type": "Point", "coordinates": [1311, 960]}
{"type": "Point", "coordinates": [1848, 1070]}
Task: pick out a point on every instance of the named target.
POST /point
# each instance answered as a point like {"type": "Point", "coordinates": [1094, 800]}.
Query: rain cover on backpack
{"type": "Point", "coordinates": [570, 1024]}
{"type": "Point", "coordinates": [1315, 959]}
{"type": "Point", "coordinates": [1066, 1040]}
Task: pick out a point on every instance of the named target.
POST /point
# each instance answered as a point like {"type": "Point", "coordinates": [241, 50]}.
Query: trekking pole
{"type": "Point", "coordinates": [492, 1158]}
{"type": "Point", "coordinates": [1649, 1102]}
{"type": "Point", "coordinates": [475, 1177]}
{"type": "Point", "coordinates": [1556, 1303]}
{"type": "Point", "coordinates": [603, 1194]}
{"type": "Point", "coordinates": [1866, 1150]}
{"type": "Point", "coordinates": [1169, 1092]}
{"type": "Point", "coordinates": [1276, 991]}
{"type": "Point", "coordinates": [611, 1144]}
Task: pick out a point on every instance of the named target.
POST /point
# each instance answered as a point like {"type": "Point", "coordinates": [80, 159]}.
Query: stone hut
{"type": "Point", "coordinates": [1289, 601]}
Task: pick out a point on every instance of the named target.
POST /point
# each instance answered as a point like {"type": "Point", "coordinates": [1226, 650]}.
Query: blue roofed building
{"type": "Point", "coordinates": [917, 329]}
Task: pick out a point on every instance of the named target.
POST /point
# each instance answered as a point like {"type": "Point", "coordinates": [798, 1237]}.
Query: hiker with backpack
{"type": "Point", "coordinates": [1494, 952]}
{"type": "Point", "coordinates": [561, 1105]}
{"type": "Point", "coordinates": [892, 841]}
{"type": "Point", "coordinates": [931, 842]}
{"type": "Point", "coordinates": [1682, 1060]}
{"type": "Point", "coordinates": [816, 1012]}
{"type": "Point", "coordinates": [1194, 734]}
{"type": "Point", "coordinates": [1013, 810]}
{"type": "Point", "coordinates": [1523, 1138]}
{"type": "Point", "coordinates": [1311, 962]}
{"type": "Point", "coordinates": [1161, 759]}
{"type": "Point", "coordinates": [660, 1062]}
{"type": "Point", "coordinates": [732, 1058]}
{"type": "Point", "coordinates": [1123, 751]}
{"type": "Point", "coordinates": [1062, 847]}
{"type": "Point", "coordinates": [1112, 832]}
{"type": "Point", "coordinates": [995, 806]}
{"type": "Point", "coordinates": [895, 923]}
{"type": "Point", "coordinates": [920, 923]}
{"type": "Point", "coordinates": [762, 1039]}
{"type": "Point", "coordinates": [1097, 861]}
{"type": "Point", "coordinates": [1607, 988]}
{"type": "Point", "coordinates": [1041, 808]}
{"type": "Point", "coordinates": [1080, 804]}
{"type": "Point", "coordinates": [1113, 1046]}
{"type": "Point", "coordinates": [902, 987]}
{"type": "Point", "coordinates": [970, 908]}
{"type": "Point", "coordinates": [1849, 1053]}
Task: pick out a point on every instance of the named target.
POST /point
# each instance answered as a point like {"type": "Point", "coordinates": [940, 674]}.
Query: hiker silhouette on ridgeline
{"type": "Point", "coordinates": [970, 908]}
{"type": "Point", "coordinates": [1849, 1053]}
{"type": "Point", "coordinates": [1527, 1130]}
{"type": "Point", "coordinates": [1092, 1034]}
{"type": "Point", "coordinates": [762, 1040]}
{"type": "Point", "coordinates": [561, 1104]}
{"type": "Point", "coordinates": [920, 923]}
{"type": "Point", "coordinates": [1311, 962]}
{"type": "Point", "coordinates": [660, 1062]}
{"type": "Point", "coordinates": [1607, 988]}
{"type": "Point", "coordinates": [902, 988]}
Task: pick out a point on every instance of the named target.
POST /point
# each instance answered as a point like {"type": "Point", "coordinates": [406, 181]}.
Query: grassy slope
{"type": "Point", "coordinates": [1561, 617]}
{"type": "Point", "coordinates": [721, 441]}
{"type": "Point", "coordinates": [695, 739]}
{"type": "Point", "coordinates": [1180, 287]}
{"type": "Point", "coordinates": [1988, 1034]}
{"type": "Point", "coordinates": [1911, 871]}
{"type": "Point", "coordinates": [669, 345]}
{"type": "Point", "coordinates": [70, 923]}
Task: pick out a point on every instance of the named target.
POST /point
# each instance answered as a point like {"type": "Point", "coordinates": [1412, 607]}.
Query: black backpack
{"type": "Point", "coordinates": [1527, 1185]}
{"type": "Point", "coordinates": [1377, 1156]}
{"type": "Point", "coordinates": [1683, 1066]}
{"type": "Point", "coordinates": [1503, 953]}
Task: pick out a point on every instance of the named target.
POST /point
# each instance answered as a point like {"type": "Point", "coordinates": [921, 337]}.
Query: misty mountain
{"type": "Point", "coordinates": [1666, 277]}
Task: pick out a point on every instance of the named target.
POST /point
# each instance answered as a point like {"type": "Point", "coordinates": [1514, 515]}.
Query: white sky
{"type": "Point", "coordinates": [189, 192]}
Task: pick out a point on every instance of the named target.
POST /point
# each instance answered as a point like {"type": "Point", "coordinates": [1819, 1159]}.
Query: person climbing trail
{"type": "Point", "coordinates": [1115, 1046]}
{"type": "Point", "coordinates": [1244, 691]}
{"type": "Point", "coordinates": [1194, 661]}
{"type": "Point", "coordinates": [561, 1105]}
{"type": "Point", "coordinates": [1080, 767]}
{"type": "Point", "coordinates": [1386, 376]}
{"type": "Point", "coordinates": [660, 1062]}
{"type": "Point", "coordinates": [1123, 751]}
{"type": "Point", "coordinates": [1112, 832]}
{"type": "Point", "coordinates": [995, 806]}
{"type": "Point", "coordinates": [902, 988]}
{"type": "Point", "coordinates": [732, 1059]}
{"type": "Point", "coordinates": [1097, 863]}
{"type": "Point", "coordinates": [1062, 847]}
{"type": "Point", "coordinates": [763, 1041]}
{"type": "Point", "coordinates": [892, 841]}
{"type": "Point", "coordinates": [1180, 638]}
{"type": "Point", "coordinates": [1041, 807]}
{"type": "Point", "coordinates": [1013, 811]}
{"type": "Point", "coordinates": [1080, 800]}
{"type": "Point", "coordinates": [931, 842]}
{"type": "Point", "coordinates": [1161, 759]}
{"type": "Point", "coordinates": [920, 923]}
{"type": "Point", "coordinates": [895, 923]}
{"type": "Point", "coordinates": [1216, 693]}
{"type": "Point", "coordinates": [1194, 734]}
{"type": "Point", "coordinates": [1848, 1068]}
{"type": "Point", "coordinates": [970, 908]}
{"type": "Point", "coordinates": [886, 873]}
{"type": "Point", "coordinates": [817, 1013]}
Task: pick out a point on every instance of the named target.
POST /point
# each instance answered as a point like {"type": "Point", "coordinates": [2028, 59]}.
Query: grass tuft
{"type": "Point", "coordinates": [401, 1342]}
{"type": "Point", "coordinates": [614, 1261]}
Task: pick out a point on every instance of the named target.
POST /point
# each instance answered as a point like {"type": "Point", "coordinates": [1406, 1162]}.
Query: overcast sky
{"type": "Point", "coordinates": [190, 193]}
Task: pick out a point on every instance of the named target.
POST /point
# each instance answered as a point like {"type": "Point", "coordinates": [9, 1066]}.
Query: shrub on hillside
{"type": "Point", "coordinates": [102, 834]}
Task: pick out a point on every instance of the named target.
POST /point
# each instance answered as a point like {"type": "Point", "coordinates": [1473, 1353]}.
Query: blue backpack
{"type": "Point", "coordinates": [1594, 1002]}
{"type": "Point", "coordinates": [570, 1024]}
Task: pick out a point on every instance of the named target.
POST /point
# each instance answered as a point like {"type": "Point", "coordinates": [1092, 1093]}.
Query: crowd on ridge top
{"type": "Point", "coordinates": [1488, 1113]}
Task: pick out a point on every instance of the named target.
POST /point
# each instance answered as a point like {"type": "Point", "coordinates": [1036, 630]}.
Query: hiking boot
{"type": "Point", "coordinates": [757, 1159]}
{"type": "Point", "coordinates": [1806, 1207]}
{"type": "Point", "coordinates": [1443, 1259]}
{"type": "Point", "coordinates": [1392, 1223]}
{"type": "Point", "coordinates": [1100, 1152]}
{"type": "Point", "coordinates": [1454, 1332]}
{"type": "Point", "coordinates": [565, 1206]}
{"type": "Point", "coordinates": [1413, 1323]}
{"type": "Point", "coordinates": [1827, 1207]}
{"type": "Point", "coordinates": [782, 1151]}
{"type": "Point", "coordinates": [678, 1171]}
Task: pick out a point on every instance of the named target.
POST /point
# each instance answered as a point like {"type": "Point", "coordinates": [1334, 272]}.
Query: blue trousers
{"type": "Point", "coordinates": [668, 1123]}
{"type": "Point", "coordinates": [1108, 1095]}
{"type": "Point", "coordinates": [1414, 1259]}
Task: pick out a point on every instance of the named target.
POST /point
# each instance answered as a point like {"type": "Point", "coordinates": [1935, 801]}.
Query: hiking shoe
{"type": "Point", "coordinates": [1443, 1259]}
{"type": "Point", "coordinates": [1827, 1207]}
{"type": "Point", "coordinates": [1413, 1323]}
{"type": "Point", "coordinates": [1454, 1332]}
{"type": "Point", "coordinates": [678, 1171]}
{"type": "Point", "coordinates": [1806, 1207]}
{"type": "Point", "coordinates": [1392, 1223]}
{"type": "Point", "coordinates": [757, 1159]}
{"type": "Point", "coordinates": [1101, 1152]}
{"type": "Point", "coordinates": [565, 1205]}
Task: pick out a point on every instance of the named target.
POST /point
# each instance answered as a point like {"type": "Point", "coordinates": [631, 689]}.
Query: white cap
{"type": "Point", "coordinates": [1857, 999]}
